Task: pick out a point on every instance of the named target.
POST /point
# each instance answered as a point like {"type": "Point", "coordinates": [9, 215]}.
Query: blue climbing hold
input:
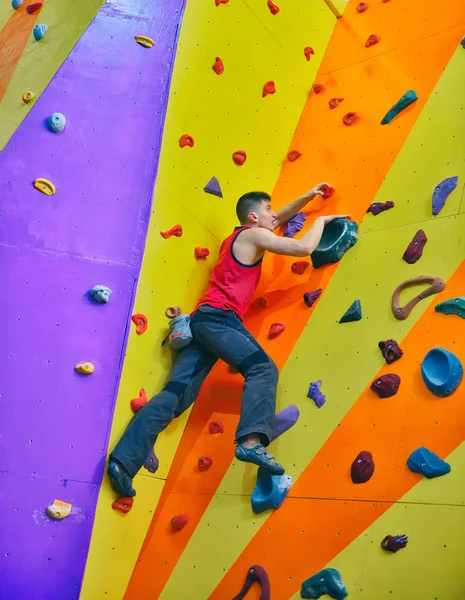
{"type": "Point", "coordinates": [327, 581]}
{"type": "Point", "coordinates": [270, 491]}
{"type": "Point", "coordinates": [407, 99]}
{"type": "Point", "coordinates": [56, 122]}
{"type": "Point", "coordinates": [453, 306]}
{"type": "Point", "coordinates": [16, 3]}
{"type": "Point", "coordinates": [353, 313]}
{"type": "Point", "coordinates": [39, 31]}
{"type": "Point", "coordinates": [427, 463]}
{"type": "Point", "coordinates": [100, 293]}
{"type": "Point", "coordinates": [442, 372]}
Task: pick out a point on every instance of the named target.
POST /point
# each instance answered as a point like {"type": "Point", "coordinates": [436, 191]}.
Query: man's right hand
{"type": "Point", "coordinates": [329, 218]}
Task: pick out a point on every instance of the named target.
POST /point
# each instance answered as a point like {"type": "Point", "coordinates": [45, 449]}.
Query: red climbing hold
{"type": "Point", "coordinates": [350, 118]}
{"type": "Point", "coordinates": [308, 51]}
{"type": "Point", "coordinates": [186, 140]}
{"type": "Point", "coordinates": [334, 102]}
{"type": "Point", "coordinates": [384, 1]}
{"type": "Point", "coordinates": [261, 302]}
{"type": "Point", "coordinates": [318, 88]}
{"type": "Point", "coordinates": [239, 157]}
{"type": "Point", "coordinates": [218, 67]}
{"type": "Point", "coordinates": [362, 6]}
{"type": "Point", "coordinates": [124, 504]}
{"type": "Point", "coordinates": [372, 40]}
{"type": "Point", "coordinates": [177, 523]}
{"type": "Point", "coordinates": [140, 401]}
{"type": "Point", "coordinates": [293, 155]}
{"type": "Point", "coordinates": [299, 266]}
{"type": "Point", "coordinates": [141, 323]}
{"type": "Point", "coordinates": [216, 427]}
{"type": "Point", "coordinates": [32, 8]}
{"type": "Point", "coordinates": [218, 2]}
{"type": "Point", "coordinates": [205, 462]}
{"type": "Point", "coordinates": [274, 10]}
{"type": "Point", "coordinates": [275, 330]}
{"type": "Point", "coordinates": [327, 190]}
{"type": "Point", "coordinates": [201, 252]}
{"type": "Point", "coordinates": [268, 88]}
{"type": "Point", "coordinates": [175, 230]}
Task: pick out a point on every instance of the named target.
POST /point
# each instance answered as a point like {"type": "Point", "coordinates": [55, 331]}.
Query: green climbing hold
{"type": "Point", "coordinates": [353, 313]}
{"type": "Point", "coordinates": [453, 306]}
{"type": "Point", "coordinates": [327, 581]}
{"type": "Point", "coordinates": [338, 237]}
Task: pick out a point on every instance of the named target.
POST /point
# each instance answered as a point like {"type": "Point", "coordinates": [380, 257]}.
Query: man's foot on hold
{"type": "Point", "coordinates": [120, 480]}
{"type": "Point", "coordinates": [259, 456]}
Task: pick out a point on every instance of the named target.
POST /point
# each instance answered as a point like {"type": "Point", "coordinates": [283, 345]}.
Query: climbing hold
{"type": "Point", "coordinates": [205, 462]}
{"type": "Point", "coordinates": [407, 99]}
{"type": "Point", "coordinates": [27, 97]}
{"type": "Point", "coordinates": [32, 8]}
{"type": "Point", "coordinates": [315, 393]}
{"type": "Point", "coordinates": [378, 207]}
{"type": "Point", "coordinates": [462, 43]}
{"type": "Point", "coordinates": [124, 504]}
{"type": "Point", "coordinates": [318, 88]}
{"type": "Point", "coordinates": [56, 122]}
{"type": "Point", "coordinates": [59, 509]}
{"type": "Point", "coordinates": [308, 51]}
{"type": "Point", "coordinates": [274, 10]}
{"type": "Point", "coordinates": [100, 293]}
{"type": "Point", "coordinates": [390, 350]}
{"type": "Point", "coordinates": [386, 385]}
{"type": "Point", "coordinates": [16, 4]}
{"type": "Point", "coordinates": [256, 574]}
{"type": "Point", "coordinates": [293, 155]}
{"type": "Point", "coordinates": [427, 463]}
{"type": "Point", "coordinates": [299, 266]}
{"type": "Point", "coordinates": [284, 420]}
{"type": "Point", "coordinates": [327, 581]}
{"type": "Point", "coordinates": [239, 157]}
{"type": "Point", "coordinates": [180, 331]}
{"type": "Point", "coordinates": [393, 543]}
{"type": "Point", "coordinates": [176, 230]}
{"type": "Point", "coordinates": [453, 306]}
{"type": "Point", "coordinates": [186, 140]}
{"type": "Point", "coordinates": [144, 41]}
{"type": "Point", "coordinates": [216, 427]}
{"type": "Point", "coordinates": [213, 187]}
{"type": "Point", "coordinates": [268, 88]}
{"type": "Point", "coordinates": [275, 330]}
{"type": "Point", "coordinates": [362, 468]}
{"type": "Point", "coordinates": [86, 368]}
{"type": "Point", "coordinates": [353, 313]}
{"type": "Point", "coordinates": [311, 297]}
{"type": "Point", "coordinates": [45, 186]}
{"type": "Point", "coordinates": [260, 302]}
{"type": "Point", "coordinates": [372, 40]}
{"type": "Point", "coordinates": [39, 31]}
{"type": "Point", "coordinates": [327, 190]}
{"type": "Point", "coordinates": [218, 2]}
{"type": "Point", "coordinates": [294, 225]}
{"type": "Point", "coordinates": [402, 312]}
{"type": "Point", "coordinates": [361, 7]}
{"type": "Point", "coordinates": [151, 462]}
{"type": "Point", "coordinates": [179, 522]}
{"type": "Point", "coordinates": [334, 102]}
{"type": "Point", "coordinates": [141, 322]}
{"type": "Point", "coordinates": [172, 311]}
{"type": "Point", "coordinates": [270, 491]}
{"type": "Point", "coordinates": [350, 119]}
{"type": "Point", "coordinates": [140, 401]}
{"type": "Point", "coordinates": [442, 372]}
{"type": "Point", "coordinates": [201, 252]}
{"type": "Point", "coordinates": [338, 237]}
{"type": "Point", "coordinates": [415, 248]}
{"type": "Point", "coordinates": [218, 66]}
{"type": "Point", "coordinates": [441, 193]}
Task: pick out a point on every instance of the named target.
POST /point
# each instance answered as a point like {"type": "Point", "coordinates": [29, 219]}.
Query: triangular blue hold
{"type": "Point", "coordinates": [353, 313]}
{"type": "Point", "coordinates": [270, 491]}
{"type": "Point", "coordinates": [213, 187]}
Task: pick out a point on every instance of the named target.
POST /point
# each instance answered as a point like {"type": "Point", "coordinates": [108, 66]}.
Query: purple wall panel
{"type": "Point", "coordinates": [54, 423]}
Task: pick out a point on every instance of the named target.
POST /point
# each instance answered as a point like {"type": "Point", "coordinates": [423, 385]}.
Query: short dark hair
{"type": "Point", "coordinates": [248, 202]}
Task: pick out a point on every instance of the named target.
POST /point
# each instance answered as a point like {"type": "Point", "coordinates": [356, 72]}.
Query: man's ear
{"type": "Point", "coordinates": [252, 217]}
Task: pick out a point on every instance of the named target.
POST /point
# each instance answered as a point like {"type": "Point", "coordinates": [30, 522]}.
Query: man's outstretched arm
{"type": "Point", "coordinates": [286, 213]}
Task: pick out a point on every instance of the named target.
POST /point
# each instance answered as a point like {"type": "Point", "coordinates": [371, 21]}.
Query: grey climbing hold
{"type": "Point", "coordinates": [39, 31]}
{"type": "Point", "coordinates": [442, 192]}
{"type": "Point", "coordinates": [213, 187]}
{"type": "Point", "coordinates": [56, 122]}
{"type": "Point", "coordinates": [100, 293]}
{"type": "Point", "coordinates": [407, 99]}
{"type": "Point", "coordinates": [353, 313]}
{"type": "Point", "coordinates": [453, 306]}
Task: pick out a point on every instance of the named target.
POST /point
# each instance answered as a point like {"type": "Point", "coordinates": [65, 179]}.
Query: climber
{"type": "Point", "coordinates": [218, 333]}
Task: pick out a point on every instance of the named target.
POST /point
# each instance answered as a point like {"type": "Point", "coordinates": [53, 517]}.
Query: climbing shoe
{"type": "Point", "coordinates": [260, 457]}
{"type": "Point", "coordinates": [120, 480]}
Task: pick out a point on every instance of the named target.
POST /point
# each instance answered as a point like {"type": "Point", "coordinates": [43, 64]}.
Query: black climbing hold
{"type": "Point", "coordinates": [353, 313]}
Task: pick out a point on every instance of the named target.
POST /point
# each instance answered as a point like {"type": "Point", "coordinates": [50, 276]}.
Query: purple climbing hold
{"type": "Point", "coordinates": [294, 225]}
{"type": "Point", "coordinates": [316, 394]}
{"type": "Point", "coordinates": [256, 574]}
{"type": "Point", "coordinates": [151, 462]}
{"type": "Point", "coordinates": [284, 420]}
{"type": "Point", "coordinates": [378, 207]}
{"type": "Point", "coordinates": [462, 43]}
{"type": "Point", "coordinates": [311, 297]}
{"type": "Point", "coordinates": [415, 248]}
{"type": "Point", "coordinates": [441, 193]}
{"type": "Point", "coordinates": [213, 187]}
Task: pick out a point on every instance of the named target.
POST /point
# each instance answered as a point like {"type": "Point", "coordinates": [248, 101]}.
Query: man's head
{"type": "Point", "coordinates": [254, 209]}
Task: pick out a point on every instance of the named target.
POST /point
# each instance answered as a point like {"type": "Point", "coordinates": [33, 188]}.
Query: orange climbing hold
{"type": "Point", "coordinates": [124, 504]}
{"type": "Point", "coordinates": [334, 102]}
{"type": "Point", "coordinates": [218, 66]}
{"type": "Point", "coordinates": [372, 40]}
{"type": "Point", "coordinates": [179, 522]}
{"type": "Point", "coordinates": [275, 330]}
{"type": "Point", "coordinates": [186, 140]}
{"type": "Point", "coordinates": [350, 118]}
{"type": "Point", "coordinates": [293, 155]}
{"type": "Point", "coordinates": [274, 10]}
{"type": "Point", "coordinates": [308, 51]}
{"type": "Point", "coordinates": [299, 266]}
{"type": "Point", "coordinates": [201, 252]}
{"type": "Point", "coordinates": [205, 462]}
{"type": "Point", "coordinates": [216, 427]}
{"type": "Point", "coordinates": [141, 322]}
{"type": "Point", "coordinates": [318, 88]}
{"type": "Point", "coordinates": [239, 157]}
{"type": "Point", "coordinates": [268, 88]}
{"type": "Point", "coordinates": [176, 230]}
{"type": "Point", "coordinates": [140, 401]}
{"type": "Point", "coordinates": [218, 2]}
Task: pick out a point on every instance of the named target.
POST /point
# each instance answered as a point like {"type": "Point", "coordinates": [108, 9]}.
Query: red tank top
{"type": "Point", "coordinates": [232, 284]}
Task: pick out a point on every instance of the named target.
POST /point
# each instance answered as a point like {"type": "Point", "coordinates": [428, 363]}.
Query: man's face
{"type": "Point", "coordinates": [264, 216]}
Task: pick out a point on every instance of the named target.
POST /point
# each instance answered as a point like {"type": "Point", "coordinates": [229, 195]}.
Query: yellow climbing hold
{"type": "Point", "coordinates": [86, 368]}
{"type": "Point", "coordinates": [59, 509]}
{"type": "Point", "coordinates": [27, 97]}
{"type": "Point", "coordinates": [45, 186]}
{"type": "Point", "coordinates": [145, 41]}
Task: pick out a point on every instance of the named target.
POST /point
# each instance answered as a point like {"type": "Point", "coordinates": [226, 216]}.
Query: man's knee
{"type": "Point", "coordinates": [259, 363]}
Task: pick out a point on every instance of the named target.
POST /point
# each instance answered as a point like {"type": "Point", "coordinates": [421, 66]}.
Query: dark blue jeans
{"type": "Point", "coordinates": [217, 334]}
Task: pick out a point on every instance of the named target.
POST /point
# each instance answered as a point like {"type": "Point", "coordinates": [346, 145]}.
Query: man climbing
{"type": "Point", "coordinates": [218, 332]}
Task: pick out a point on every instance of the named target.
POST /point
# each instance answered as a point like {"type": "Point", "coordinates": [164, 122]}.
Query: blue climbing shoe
{"type": "Point", "coordinates": [120, 480]}
{"type": "Point", "coordinates": [259, 456]}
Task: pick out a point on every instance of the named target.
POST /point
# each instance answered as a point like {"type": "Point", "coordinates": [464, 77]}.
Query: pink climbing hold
{"type": "Point", "coordinates": [275, 330]}
{"type": "Point", "coordinates": [216, 427]}
{"type": "Point", "coordinates": [32, 8]}
{"type": "Point", "coordinates": [350, 119]}
{"type": "Point", "coordinates": [318, 88]}
{"type": "Point", "coordinates": [293, 155]}
{"type": "Point", "coordinates": [372, 40]}
{"type": "Point", "coordinates": [334, 102]}
{"type": "Point", "coordinates": [179, 522]}
{"type": "Point", "coordinates": [361, 7]}
{"type": "Point", "coordinates": [274, 10]}
{"type": "Point", "coordinates": [308, 51]}
{"type": "Point", "coordinates": [205, 462]}
{"type": "Point", "coordinates": [299, 266]}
